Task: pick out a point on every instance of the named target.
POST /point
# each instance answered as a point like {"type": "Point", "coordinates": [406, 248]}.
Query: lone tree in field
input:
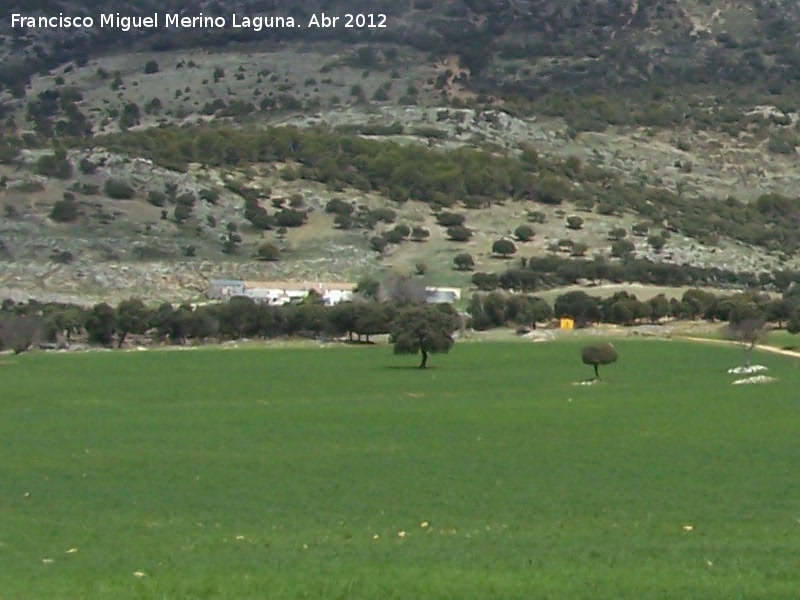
{"type": "Point", "coordinates": [424, 330]}
{"type": "Point", "coordinates": [599, 354]}
{"type": "Point", "coordinates": [746, 325]}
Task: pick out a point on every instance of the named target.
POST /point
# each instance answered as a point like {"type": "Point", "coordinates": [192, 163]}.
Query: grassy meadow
{"type": "Point", "coordinates": [341, 473]}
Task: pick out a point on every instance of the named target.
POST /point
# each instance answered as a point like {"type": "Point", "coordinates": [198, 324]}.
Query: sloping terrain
{"type": "Point", "coordinates": [692, 103]}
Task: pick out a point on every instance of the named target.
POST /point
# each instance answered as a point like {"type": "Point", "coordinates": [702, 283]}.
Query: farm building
{"type": "Point", "coordinates": [278, 293]}
{"type": "Point", "coordinates": [442, 295]}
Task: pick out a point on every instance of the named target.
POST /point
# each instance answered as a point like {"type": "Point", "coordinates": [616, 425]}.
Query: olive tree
{"type": "Point", "coordinates": [599, 354]}
{"type": "Point", "coordinates": [424, 330]}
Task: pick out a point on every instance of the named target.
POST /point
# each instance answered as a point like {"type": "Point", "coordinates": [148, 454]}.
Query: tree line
{"type": "Point", "coordinates": [550, 271]}
{"type": "Point", "coordinates": [25, 324]}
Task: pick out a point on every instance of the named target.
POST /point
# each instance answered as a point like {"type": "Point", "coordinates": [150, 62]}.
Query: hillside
{"type": "Point", "coordinates": [678, 118]}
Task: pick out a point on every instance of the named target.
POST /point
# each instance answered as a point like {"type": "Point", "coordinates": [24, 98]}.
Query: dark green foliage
{"type": "Point", "coordinates": [210, 195]}
{"type": "Point", "coordinates": [130, 115]}
{"type": "Point", "coordinates": [119, 189]}
{"type": "Point", "coordinates": [268, 251]}
{"type": "Point", "coordinates": [622, 249]}
{"type": "Point", "coordinates": [574, 222]}
{"type": "Point", "coordinates": [537, 216]}
{"type": "Point", "coordinates": [446, 178]}
{"type": "Point", "coordinates": [182, 212]}
{"type": "Point", "coordinates": [157, 198]}
{"type": "Point", "coordinates": [449, 219]}
{"type": "Point", "coordinates": [657, 242]}
{"type": "Point", "coordinates": [616, 234]}
{"type": "Point", "coordinates": [337, 206]}
{"type": "Point", "coordinates": [420, 234]}
{"type": "Point", "coordinates": [132, 317]}
{"type": "Point", "coordinates": [579, 306]}
{"type": "Point", "coordinates": [257, 214]}
{"type": "Point", "coordinates": [386, 215]}
{"type": "Point", "coordinates": [552, 190]}
{"type": "Point", "coordinates": [101, 324]}
{"type": "Point", "coordinates": [486, 281]}
{"type": "Point", "coordinates": [150, 67]}
{"type": "Point", "coordinates": [378, 243]}
{"type": "Point", "coordinates": [504, 248]}
{"type": "Point", "coordinates": [524, 233]}
{"type": "Point", "coordinates": [368, 287]}
{"type": "Point", "coordinates": [289, 217]}
{"type": "Point", "coordinates": [424, 330]}
{"type": "Point", "coordinates": [65, 211]}
{"type": "Point", "coordinates": [55, 165]}
{"type": "Point", "coordinates": [464, 262]}
{"type": "Point", "coordinates": [599, 354]}
{"type": "Point", "coordinates": [459, 233]}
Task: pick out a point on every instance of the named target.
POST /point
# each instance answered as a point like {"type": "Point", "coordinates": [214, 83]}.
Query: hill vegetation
{"type": "Point", "coordinates": [592, 129]}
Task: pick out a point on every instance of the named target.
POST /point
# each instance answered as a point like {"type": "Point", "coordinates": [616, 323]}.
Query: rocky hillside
{"type": "Point", "coordinates": [677, 117]}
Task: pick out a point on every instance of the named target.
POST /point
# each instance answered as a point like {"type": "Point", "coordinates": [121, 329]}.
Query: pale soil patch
{"type": "Point", "coordinates": [757, 379]}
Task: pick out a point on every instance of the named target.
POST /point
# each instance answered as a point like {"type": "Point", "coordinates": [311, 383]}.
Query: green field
{"type": "Point", "coordinates": [291, 473]}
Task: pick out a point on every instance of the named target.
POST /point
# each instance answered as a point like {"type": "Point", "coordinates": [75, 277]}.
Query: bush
{"type": "Point", "coordinates": [378, 243]}
{"type": "Point", "coordinates": [157, 198]}
{"type": "Point", "coordinates": [54, 165]}
{"type": "Point", "coordinates": [87, 167]}
{"type": "Point", "coordinates": [151, 67]}
{"type": "Point", "coordinates": [449, 219]}
{"type": "Point", "coordinates": [289, 217]}
{"type": "Point", "coordinates": [574, 222]}
{"type": "Point", "coordinates": [65, 211]}
{"type": "Point", "coordinates": [337, 206]}
{"type": "Point", "coordinates": [268, 251]}
{"type": "Point", "coordinates": [552, 190]}
{"type": "Point", "coordinates": [504, 248]}
{"type": "Point", "coordinates": [182, 212]}
{"type": "Point", "coordinates": [524, 233]}
{"type": "Point", "coordinates": [464, 262]}
{"type": "Point", "coordinates": [622, 248]}
{"type": "Point", "coordinates": [616, 234]}
{"type": "Point", "coordinates": [119, 189]}
{"type": "Point", "coordinates": [459, 233]}
{"type": "Point", "coordinates": [210, 195]}
{"type": "Point", "coordinates": [420, 234]}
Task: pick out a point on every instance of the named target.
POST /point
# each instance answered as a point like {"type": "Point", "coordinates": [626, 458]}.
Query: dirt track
{"type": "Point", "coordinates": [765, 348]}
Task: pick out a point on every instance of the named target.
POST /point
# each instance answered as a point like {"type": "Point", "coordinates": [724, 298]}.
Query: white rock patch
{"type": "Point", "coordinates": [754, 379]}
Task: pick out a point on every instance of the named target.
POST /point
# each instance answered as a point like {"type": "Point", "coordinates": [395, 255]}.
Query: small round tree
{"type": "Point", "coordinates": [575, 222]}
{"type": "Point", "coordinates": [464, 262]}
{"type": "Point", "coordinates": [504, 248]}
{"type": "Point", "coordinates": [268, 251]}
{"type": "Point", "coordinates": [420, 234]}
{"type": "Point", "coordinates": [524, 233]}
{"type": "Point", "coordinates": [599, 354]}
{"type": "Point", "coordinates": [459, 233]}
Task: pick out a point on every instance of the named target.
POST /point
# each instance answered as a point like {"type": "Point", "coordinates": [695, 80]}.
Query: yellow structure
{"type": "Point", "coordinates": [567, 324]}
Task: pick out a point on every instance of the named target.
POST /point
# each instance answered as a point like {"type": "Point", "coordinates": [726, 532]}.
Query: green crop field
{"type": "Point", "coordinates": [340, 473]}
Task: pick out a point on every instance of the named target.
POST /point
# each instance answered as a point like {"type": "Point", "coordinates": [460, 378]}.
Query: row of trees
{"type": "Point", "coordinates": [241, 317]}
{"type": "Point", "coordinates": [415, 328]}
{"type": "Point", "coordinates": [497, 309]}
{"type": "Point", "coordinates": [549, 271]}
